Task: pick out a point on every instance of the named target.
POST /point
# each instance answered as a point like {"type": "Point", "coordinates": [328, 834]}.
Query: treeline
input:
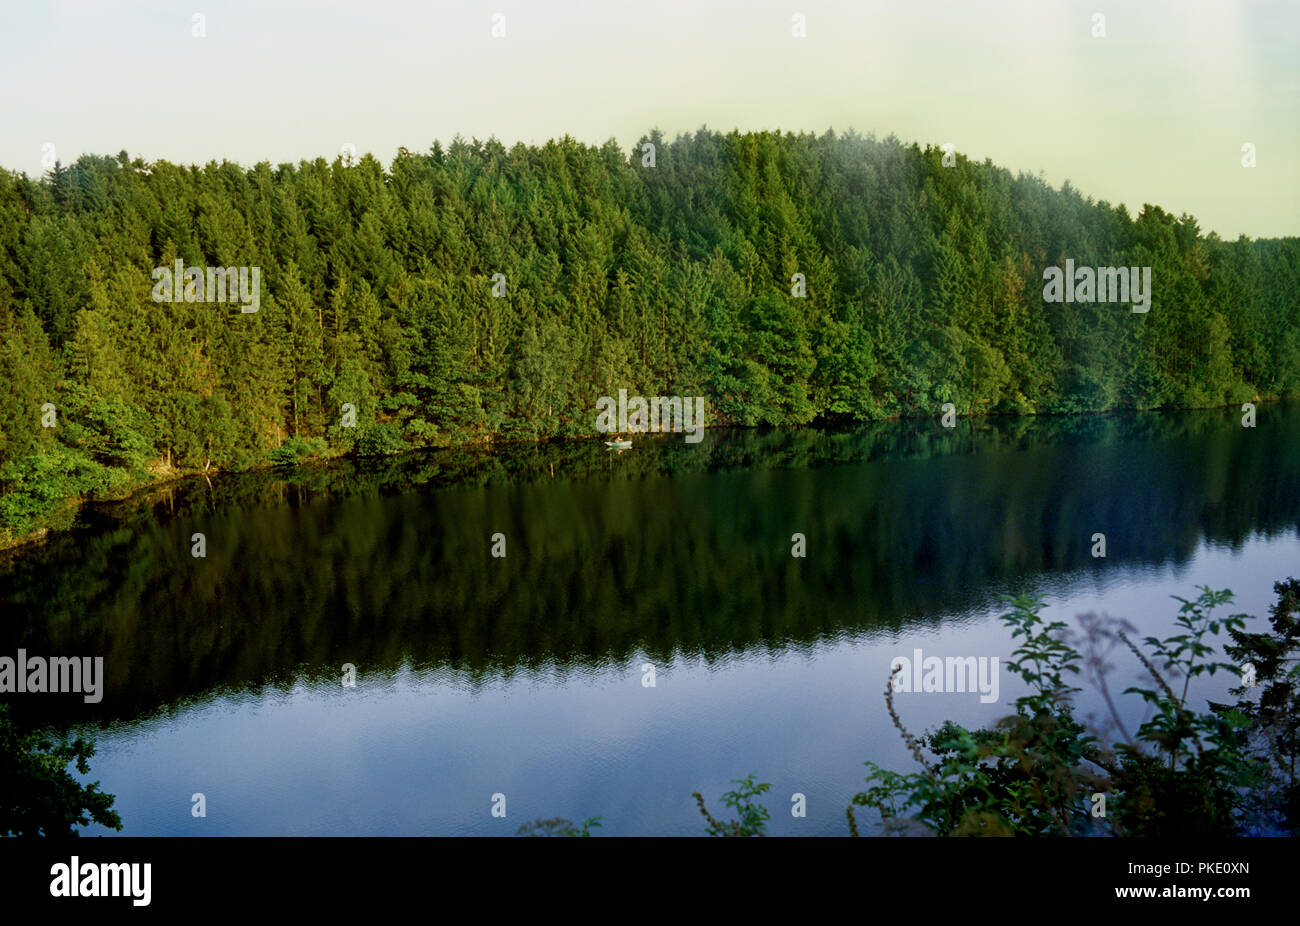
{"type": "Point", "coordinates": [923, 286]}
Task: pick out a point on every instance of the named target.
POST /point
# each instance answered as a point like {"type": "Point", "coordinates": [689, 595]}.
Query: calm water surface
{"type": "Point", "coordinates": [523, 675]}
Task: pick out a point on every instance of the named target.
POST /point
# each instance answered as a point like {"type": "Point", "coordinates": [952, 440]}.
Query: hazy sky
{"type": "Point", "coordinates": [1156, 111]}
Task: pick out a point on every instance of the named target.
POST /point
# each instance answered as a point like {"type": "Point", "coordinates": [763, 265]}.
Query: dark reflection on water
{"type": "Point", "coordinates": [671, 549]}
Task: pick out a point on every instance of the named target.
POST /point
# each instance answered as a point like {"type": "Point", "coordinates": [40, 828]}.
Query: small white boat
{"type": "Point", "coordinates": [618, 444]}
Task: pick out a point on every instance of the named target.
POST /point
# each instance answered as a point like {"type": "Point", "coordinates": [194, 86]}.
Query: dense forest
{"type": "Point", "coordinates": [671, 276]}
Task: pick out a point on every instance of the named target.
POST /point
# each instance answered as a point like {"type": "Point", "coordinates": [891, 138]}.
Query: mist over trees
{"type": "Point", "coordinates": [924, 285]}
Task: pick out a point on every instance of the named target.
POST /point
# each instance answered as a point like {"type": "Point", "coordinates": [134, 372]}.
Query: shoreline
{"type": "Point", "coordinates": [65, 518]}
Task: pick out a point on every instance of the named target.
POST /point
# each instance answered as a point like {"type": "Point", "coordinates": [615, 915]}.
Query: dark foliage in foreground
{"type": "Point", "coordinates": [1228, 770]}
{"type": "Point", "coordinates": [1184, 772]}
{"type": "Point", "coordinates": [38, 795]}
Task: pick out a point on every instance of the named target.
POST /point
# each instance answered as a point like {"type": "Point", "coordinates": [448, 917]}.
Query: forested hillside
{"type": "Point", "coordinates": [924, 285]}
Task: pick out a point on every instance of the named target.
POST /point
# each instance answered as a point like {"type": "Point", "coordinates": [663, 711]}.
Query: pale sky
{"type": "Point", "coordinates": [1155, 111]}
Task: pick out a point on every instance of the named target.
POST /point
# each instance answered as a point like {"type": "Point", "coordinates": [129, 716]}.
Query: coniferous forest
{"type": "Point", "coordinates": [924, 285]}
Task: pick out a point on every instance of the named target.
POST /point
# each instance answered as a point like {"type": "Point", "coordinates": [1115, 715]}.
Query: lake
{"type": "Point", "coordinates": [527, 675]}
